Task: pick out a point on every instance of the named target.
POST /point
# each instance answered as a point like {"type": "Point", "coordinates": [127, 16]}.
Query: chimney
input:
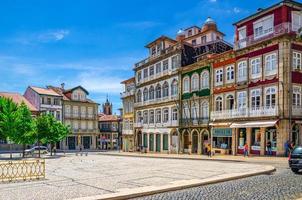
{"type": "Point", "coordinates": [62, 85]}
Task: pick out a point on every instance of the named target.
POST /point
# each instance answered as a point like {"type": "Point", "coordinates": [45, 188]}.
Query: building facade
{"type": "Point", "coordinates": [128, 97]}
{"type": "Point", "coordinates": [81, 114]}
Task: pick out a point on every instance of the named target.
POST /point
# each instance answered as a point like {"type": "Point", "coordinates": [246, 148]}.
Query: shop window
{"type": "Point", "coordinates": [256, 140]}
{"type": "Point", "coordinates": [241, 139]}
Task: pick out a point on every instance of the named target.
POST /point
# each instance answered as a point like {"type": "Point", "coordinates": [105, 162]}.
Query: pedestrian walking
{"type": "Point", "coordinates": [209, 150]}
{"type": "Point", "coordinates": [246, 150]}
{"type": "Point", "coordinates": [269, 148]}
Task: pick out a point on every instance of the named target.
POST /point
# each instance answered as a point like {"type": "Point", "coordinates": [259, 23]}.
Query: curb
{"type": "Point", "coordinates": [177, 185]}
{"type": "Point", "coordinates": [172, 158]}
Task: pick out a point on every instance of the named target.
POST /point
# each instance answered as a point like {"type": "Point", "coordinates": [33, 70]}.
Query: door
{"type": "Point", "coordinates": [158, 142]}
{"type": "Point", "coordinates": [194, 142]}
{"type": "Point", "coordinates": [86, 142]}
{"type": "Point", "coordinates": [71, 143]}
{"type": "Point", "coordinates": [151, 142]}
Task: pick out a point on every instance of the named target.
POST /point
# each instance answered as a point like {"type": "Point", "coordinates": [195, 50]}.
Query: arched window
{"type": "Point", "coordinates": [255, 99]}
{"type": "Point", "coordinates": [166, 89]}
{"type": "Point", "coordinates": [174, 88]}
{"type": "Point", "coordinates": [158, 91]}
{"type": "Point", "coordinates": [194, 111]}
{"type": "Point", "coordinates": [145, 94]}
{"type": "Point", "coordinates": [230, 102]}
{"type": "Point", "coordinates": [205, 110]}
{"type": "Point", "coordinates": [270, 97]}
{"type": "Point", "coordinates": [195, 82]}
{"type": "Point", "coordinates": [139, 96]}
{"type": "Point", "coordinates": [242, 71]}
{"type": "Point", "coordinates": [151, 116]}
{"type": "Point", "coordinates": [230, 73]}
{"type": "Point", "coordinates": [174, 114]}
{"type": "Point", "coordinates": [139, 117]}
{"type": "Point", "coordinates": [205, 81]}
{"type": "Point", "coordinates": [151, 93]}
{"type": "Point", "coordinates": [186, 111]}
{"type": "Point", "coordinates": [165, 115]}
{"type": "Point", "coordinates": [145, 117]}
{"type": "Point", "coordinates": [186, 84]}
{"type": "Point", "coordinates": [218, 102]}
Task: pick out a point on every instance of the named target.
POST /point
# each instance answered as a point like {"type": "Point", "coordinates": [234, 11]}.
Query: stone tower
{"type": "Point", "coordinates": [107, 107]}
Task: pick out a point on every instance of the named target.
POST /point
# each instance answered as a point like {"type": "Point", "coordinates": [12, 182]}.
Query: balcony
{"type": "Point", "coordinates": [297, 110]}
{"type": "Point", "coordinates": [195, 121]}
{"type": "Point", "coordinates": [252, 39]}
{"type": "Point", "coordinates": [127, 94]}
{"type": "Point", "coordinates": [159, 125]}
{"type": "Point", "coordinates": [157, 100]}
{"type": "Point", "coordinates": [79, 116]}
{"type": "Point", "coordinates": [138, 125]}
{"type": "Point", "coordinates": [244, 112]}
{"type": "Point", "coordinates": [159, 75]}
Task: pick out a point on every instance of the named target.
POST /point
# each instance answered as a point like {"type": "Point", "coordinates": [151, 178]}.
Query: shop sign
{"type": "Point", "coordinates": [222, 132]}
{"type": "Point", "coordinates": [256, 148]}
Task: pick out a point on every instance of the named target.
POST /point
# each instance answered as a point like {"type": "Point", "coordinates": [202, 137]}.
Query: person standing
{"type": "Point", "coordinates": [269, 148]}
{"type": "Point", "coordinates": [246, 150]}
{"type": "Point", "coordinates": [209, 150]}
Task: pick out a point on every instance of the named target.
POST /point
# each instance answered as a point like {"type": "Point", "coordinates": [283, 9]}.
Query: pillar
{"type": "Point", "coordinates": [234, 142]}
{"type": "Point", "coordinates": [199, 144]}
{"type": "Point", "coordinates": [262, 142]}
{"type": "Point", "coordinates": [249, 138]}
{"type": "Point", "coordinates": [169, 142]}
{"type": "Point", "coordinates": [94, 146]}
{"type": "Point", "coordinates": [161, 142]}
{"type": "Point", "coordinates": [148, 138]}
{"type": "Point", "coordinates": [282, 136]}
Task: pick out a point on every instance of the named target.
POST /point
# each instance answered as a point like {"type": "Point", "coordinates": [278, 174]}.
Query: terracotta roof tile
{"type": "Point", "coordinates": [45, 91]}
{"type": "Point", "coordinates": [18, 98]}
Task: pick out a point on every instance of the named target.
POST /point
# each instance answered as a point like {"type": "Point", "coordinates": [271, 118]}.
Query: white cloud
{"type": "Point", "coordinates": [53, 35]}
{"type": "Point", "coordinates": [213, 1]}
{"type": "Point", "coordinates": [236, 10]}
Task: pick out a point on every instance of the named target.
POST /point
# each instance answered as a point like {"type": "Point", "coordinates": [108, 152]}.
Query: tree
{"type": "Point", "coordinates": [25, 134]}
{"type": "Point", "coordinates": [42, 129]}
{"type": "Point", "coordinates": [8, 120]}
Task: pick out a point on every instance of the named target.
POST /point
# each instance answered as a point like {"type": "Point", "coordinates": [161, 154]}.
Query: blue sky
{"type": "Point", "coordinates": [94, 43]}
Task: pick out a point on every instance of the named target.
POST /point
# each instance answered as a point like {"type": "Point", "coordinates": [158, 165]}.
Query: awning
{"type": "Point", "coordinates": [220, 124]}
{"type": "Point", "coordinates": [254, 124]}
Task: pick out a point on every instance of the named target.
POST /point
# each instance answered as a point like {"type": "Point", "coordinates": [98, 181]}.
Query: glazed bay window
{"type": "Point", "coordinates": [296, 20]}
{"type": "Point", "coordinates": [230, 74]}
{"type": "Point", "coordinates": [270, 97]}
{"type": "Point", "coordinates": [263, 26]}
{"type": "Point", "coordinates": [255, 99]}
{"type": "Point", "coordinates": [297, 96]}
{"type": "Point", "coordinates": [195, 82]}
{"type": "Point", "coordinates": [241, 100]}
{"type": "Point", "coordinates": [271, 64]}
{"type": "Point", "coordinates": [296, 61]}
{"type": "Point", "coordinates": [165, 65]}
{"type": "Point", "coordinates": [158, 116]}
{"type": "Point", "coordinates": [174, 114]}
{"type": "Point", "coordinates": [186, 84]}
{"type": "Point", "coordinates": [166, 89]}
{"type": "Point", "coordinates": [165, 115]}
{"type": "Point", "coordinates": [218, 77]}
{"type": "Point", "coordinates": [158, 68]}
{"type": "Point", "coordinates": [174, 88]}
{"type": "Point", "coordinates": [242, 71]}
{"type": "Point", "coordinates": [151, 71]}
{"type": "Point", "coordinates": [175, 62]}
{"type": "Point", "coordinates": [255, 68]}
{"type": "Point", "coordinates": [205, 82]}
{"type": "Point", "coordinates": [145, 117]}
{"type": "Point", "coordinates": [151, 93]}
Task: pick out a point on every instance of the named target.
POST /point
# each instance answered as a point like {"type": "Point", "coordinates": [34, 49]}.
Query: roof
{"type": "Point", "coordinates": [18, 99]}
{"type": "Point", "coordinates": [192, 27]}
{"type": "Point", "coordinates": [78, 87]}
{"type": "Point", "coordinates": [130, 80]}
{"type": "Point", "coordinates": [263, 11]}
{"type": "Point", "coordinates": [108, 118]}
{"type": "Point", "coordinates": [45, 91]}
{"type": "Point", "coordinates": [160, 38]}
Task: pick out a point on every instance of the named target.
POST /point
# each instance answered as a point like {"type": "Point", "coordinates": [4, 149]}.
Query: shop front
{"type": "Point", "coordinates": [222, 141]}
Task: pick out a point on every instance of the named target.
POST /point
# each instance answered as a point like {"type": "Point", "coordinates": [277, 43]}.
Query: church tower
{"type": "Point", "coordinates": [107, 107]}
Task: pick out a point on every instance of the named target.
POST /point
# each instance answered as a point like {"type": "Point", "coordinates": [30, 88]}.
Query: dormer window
{"type": "Point", "coordinates": [189, 32]}
{"type": "Point", "coordinates": [264, 26]}
{"type": "Point", "coordinates": [153, 51]}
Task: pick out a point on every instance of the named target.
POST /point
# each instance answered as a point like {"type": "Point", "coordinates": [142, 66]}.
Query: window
{"type": "Point", "coordinates": [219, 76]}
{"type": "Point", "coordinates": [153, 51]}
{"type": "Point", "coordinates": [151, 117]}
{"type": "Point", "coordinates": [230, 102]}
{"type": "Point", "coordinates": [151, 71]}
{"type": "Point", "coordinates": [75, 110]}
{"type": "Point", "coordinates": [271, 64]}
{"type": "Point", "coordinates": [193, 42]}
{"type": "Point", "coordinates": [255, 68]}
{"type": "Point", "coordinates": [296, 96]}
{"type": "Point", "coordinates": [49, 101]}
{"type": "Point", "coordinates": [158, 91]}
{"type": "Point", "coordinates": [174, 88]}
{"type": "Point", "coordinates": [145, 117]}
{"type": "Point", "coordinates": [139, 117]}
{"type": "Point", "coordinates": [158, 68]}
{"type": "Point", "coordinates": [151, 92]}
{"type": "Point", "coordinates": [189, 32]}
{"type": "Point", "coordinates": [296, 20]}
{"type": "Point", "coordinates": [139, 76]}
{"type": "Point", "coordinates": [139, 96]}
{"type": "Point", "coordinates": [230, 74]}
{"type": "Point", "coordinates": [296, 61]}
{"type": "Point", "coordinates": [270, 97]}
{"type": "Point", "coordinates": [194, 111]}
{"type": "Point", "coordinates": [205, 80]}
{"type": "Point", "coordinates": [145, 94]}
{"type": "Point", "coordinates": [195, 82]}
{"type": "Point", "coordinates": [166, 89]}
{"type": "Point", "coordinates": [186, 112]}
{"type": "Point", "coordinates": [203, 39]}
{"type": "Point", "coordinates": [242, 37]}
{"type": "Point", "coordinates": [166, 115]}
{"type": "Point", "coordinates": [186, 84]}
{"type": "Point", "coordinates": [165, 65]}
{"type": "Point", "coordinates": [43, 100]}
{"type": "Point", "coordinates": [58, 115]}
{"type": "Point", "coordinates": [56, 101]}
{"type": "Point", "coordinates": [241, 100]}
{"type": "Point", "coordinates": [158, 116]}
{"type": "Point", "coordinates": [146, 73]}
{"type": "Point", "coordinates": [218, 103]}
{"type": "Point", "coordinates": [174, 114]}
{"type": "Point", "coordinates": [242, 71]}
{"type": "Point", "coordinates": [263, 26]}
{"type": "Point", "coordinates": [175, 62]}
{"type": "Point", "coordinates": [255, 99]}
{"type": "Point", "coordinates": [205, 110]}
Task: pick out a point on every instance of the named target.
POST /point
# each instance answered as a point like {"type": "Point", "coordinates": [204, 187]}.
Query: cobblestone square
{"type": "Point", "coordinates": [81, 176]}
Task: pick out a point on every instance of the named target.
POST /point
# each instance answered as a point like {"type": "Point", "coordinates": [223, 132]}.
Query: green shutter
{"type": "Point", "coordinates": [145, 140]}
{"type": "Point", "coordinates": [165, 142]}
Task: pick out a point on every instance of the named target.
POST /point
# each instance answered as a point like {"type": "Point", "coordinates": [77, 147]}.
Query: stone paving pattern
{"type": "Point", "coordinates": [73, 177]}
